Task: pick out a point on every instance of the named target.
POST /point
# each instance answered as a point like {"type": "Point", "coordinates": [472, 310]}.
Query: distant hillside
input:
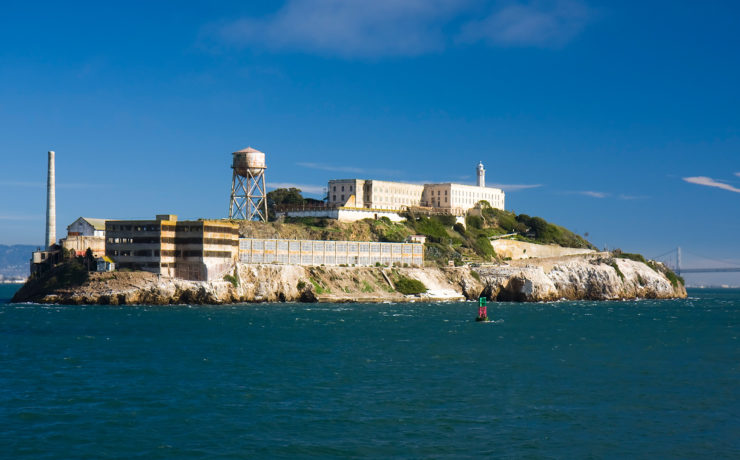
{"type": "Point", "coordinates": [14, 260]}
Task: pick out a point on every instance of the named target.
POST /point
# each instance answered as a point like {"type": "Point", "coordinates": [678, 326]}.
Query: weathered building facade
{"type": "Point", "coordinates": [84, 233]}
{"type": "Point", "coordinates": [196, 250]}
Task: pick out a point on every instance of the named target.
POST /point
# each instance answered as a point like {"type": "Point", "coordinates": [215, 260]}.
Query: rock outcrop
{"type": "Point", "coordinates": [594, 277]}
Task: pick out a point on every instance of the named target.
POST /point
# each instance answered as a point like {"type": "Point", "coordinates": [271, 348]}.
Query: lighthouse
{"type": "Point", "coordinates": [481, 175]}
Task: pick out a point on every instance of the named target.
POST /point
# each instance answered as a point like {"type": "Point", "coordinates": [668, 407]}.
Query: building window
{"type": "Point", "coordinates": [350, 188]}
{"type": "Point", "coordinates": [342, 187]}
{"type": "Point", "coordinates": [335, 188]}
{"type": "Point", "coordinates": [342, 197]}
{"type": "Point", "coordinates": [334, 197]}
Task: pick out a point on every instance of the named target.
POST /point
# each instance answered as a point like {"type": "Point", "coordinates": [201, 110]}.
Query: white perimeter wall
{"type": "Point", "coordinates": [314, 252]}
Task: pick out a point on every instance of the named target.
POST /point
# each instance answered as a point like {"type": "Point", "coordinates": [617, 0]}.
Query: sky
{"type": "Point", "coordinates": [616, 119]}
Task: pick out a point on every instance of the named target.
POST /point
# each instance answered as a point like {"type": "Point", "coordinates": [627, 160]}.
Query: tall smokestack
{"type": "Point", "coordinates": [51, 205]}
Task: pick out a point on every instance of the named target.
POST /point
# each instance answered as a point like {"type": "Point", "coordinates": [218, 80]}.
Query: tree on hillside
{"type": "Point", "coordinates": [283, 196]}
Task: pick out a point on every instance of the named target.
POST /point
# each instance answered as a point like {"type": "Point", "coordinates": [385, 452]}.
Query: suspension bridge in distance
{"type": "Point", "coordinates": [672, 259]}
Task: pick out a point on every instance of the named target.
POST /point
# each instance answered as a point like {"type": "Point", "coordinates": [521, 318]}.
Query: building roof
{"type": "Point", "coordinates": [248, 150]}
{"type": "Point", "coordinates": [97, 224]}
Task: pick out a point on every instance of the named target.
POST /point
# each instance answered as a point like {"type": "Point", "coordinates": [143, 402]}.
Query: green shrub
{"type": "Point", "coordinates": [409, 286]}
{"type": "Point", "coordinates": [614, 265]}
{"type": "Point", "coordinates": [627, 255]}
{"type": "Point", "coordinates": [474, 222]}
{"type": "Point", "coordinates": [483, 248]}
{"type": "Point", "coordinates": [318, 287]}
{"type": "Point", "coordinates": [673, 278]}
{"type": "Point", "coordinates": [475, 274]}
{"type": "Point", "coordinates": [366, 287]}
{"type": "Point", "coordinates": [301, 285]}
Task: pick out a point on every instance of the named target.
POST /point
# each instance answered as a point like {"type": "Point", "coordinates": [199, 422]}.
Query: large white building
{"type": "Point", "coordinates": [384, 195]}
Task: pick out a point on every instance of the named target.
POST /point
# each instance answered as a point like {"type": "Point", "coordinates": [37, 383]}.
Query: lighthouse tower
{"type": "Point", "coordinates": [481, 175]}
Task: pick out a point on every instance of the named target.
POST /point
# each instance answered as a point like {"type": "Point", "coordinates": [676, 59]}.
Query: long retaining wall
{"type": "Point", "coordinates": [314, 252]}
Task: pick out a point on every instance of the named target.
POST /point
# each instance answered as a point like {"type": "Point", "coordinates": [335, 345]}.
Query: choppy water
{"type": "Point", "coordinates": [648, 379]}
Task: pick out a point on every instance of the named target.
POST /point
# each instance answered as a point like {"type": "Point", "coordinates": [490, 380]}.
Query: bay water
{"type": "Point", "coordinates": [634, 379]}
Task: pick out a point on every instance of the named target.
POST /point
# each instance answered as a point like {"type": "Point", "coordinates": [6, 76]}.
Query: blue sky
{"type": "Point", "coordinates": [619, 119]}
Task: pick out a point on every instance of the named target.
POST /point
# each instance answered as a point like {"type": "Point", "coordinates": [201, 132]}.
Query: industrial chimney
{"type": "Point", "coordinates": [51, 206]}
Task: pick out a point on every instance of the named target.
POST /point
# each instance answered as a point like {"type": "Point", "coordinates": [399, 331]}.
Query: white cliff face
{"type": "Point", "coordinates": [593, 278]}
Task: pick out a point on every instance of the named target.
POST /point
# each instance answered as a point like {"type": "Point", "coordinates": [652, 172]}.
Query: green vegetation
{"type": "Point", "coordinates": [673, 278]}
{"type": "Point", "coordinates": [318, 288]}
{"type": "Point", "coordinates": [301, 285]}
{"type": "Point", "coordinates": [409, 286]}
{"type": "Point", "coordinates": [287, 197]}
{"type": "Point", "coordinates": [614, 265]}
{"type": "Point", "coordinates": [366, 287]}
{"type": "Point", "coordinates": [475, 274]}
{"type": "Point", "coordinates": [233, 279]}
{"type": "Point", "coordinates": [68, 274]}
{"type": "Point", "coordinates": [630, 256]}
{"type": "Point", "coordinates": [447, 239]}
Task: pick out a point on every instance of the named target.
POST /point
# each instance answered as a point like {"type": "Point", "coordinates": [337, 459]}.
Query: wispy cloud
{"type": "Point", "coordinates": [737, 174]}
{"type": "Point", "coordinates": [536, 23]}
{"type": "Point", "coordinates": [709, 182]}
{"type": "Point", "coordinates": [590, 193]}
{"type": "Point", "coordinates": [514, 187]}
{"type": "Point", "coordinates": [377, 28]}
{"type": "Point", "coordinates": [631, 197]}
{"type": "Point", "coordinates": [349, 169]}
{"type": "Point", "coordinates": [305, 188]}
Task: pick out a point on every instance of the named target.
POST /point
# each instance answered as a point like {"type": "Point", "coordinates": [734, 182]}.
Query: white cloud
{"type": "Point", "coordinates": [305, 188]}
{"type": "Point", "coordinates": [535, 23]}
{"type": "Point", "coordinates": [514, 187]}
{"type": "Point", "coordinates": [737, 174]}
{"type": "Point", "coordinates": [709, 182]}
{"type": "Point", "coordinates": [349, 169]}
{"type": "Point", "coordinates": [593, 194]}
{"type": "Point", "coordinates": [631, 197]}
{"type": "Point", "coordinates": [348, 27]}
{"type": "Point", "coordinates": [376, 28]}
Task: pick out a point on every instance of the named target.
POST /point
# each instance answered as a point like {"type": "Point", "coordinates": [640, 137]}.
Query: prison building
{"type": "Point", "coordinates": [199, 250]}
{"type": "Point", "coordinates": [205, 249]}
{"type": "Point", "coordinates": [315, 252]}
{"type": "Point", "coordinates": [447, 197]}
{"type": "Point", "coordinates": [142, 244]}
{"type": "Point", "coordinates": [374, 194]}
{"type": "Point", "coordinates": [453, 197]}
{"type": "Point", "coordinates": [84, 233]}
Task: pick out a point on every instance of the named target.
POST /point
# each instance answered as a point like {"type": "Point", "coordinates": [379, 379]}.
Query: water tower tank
{"type": "Point", "coordinates": [248, 160]}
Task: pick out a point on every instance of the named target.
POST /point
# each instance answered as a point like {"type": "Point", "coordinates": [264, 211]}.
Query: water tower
{"type": "Point", "coordinates": [248, 192]}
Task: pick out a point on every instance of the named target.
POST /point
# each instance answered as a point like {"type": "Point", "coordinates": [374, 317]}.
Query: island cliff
{"type": "Point", "coordinates": [597, 276]}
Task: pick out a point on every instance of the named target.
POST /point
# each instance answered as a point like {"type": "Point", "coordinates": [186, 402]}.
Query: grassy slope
{"type": "Point", "coordinates": [446, 240]}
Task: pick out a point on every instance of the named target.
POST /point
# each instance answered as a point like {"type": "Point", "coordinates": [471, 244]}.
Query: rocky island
{"type": "Point", "coordinates": [460, 264]}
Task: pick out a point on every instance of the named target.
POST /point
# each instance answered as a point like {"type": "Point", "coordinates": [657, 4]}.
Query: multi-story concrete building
{"type": "Point", "coordinates": [195, 250]}
{"type": "Point", "coordinates": [452, 197]}
{"type": "Point", "coordinates": [142, 244]}
{"type": "Point", "coordinates": [374, 194]}
{"type": "Point", "coordinates": [205, 249]}
{"type": "Point", "coordinates": [384, 195]}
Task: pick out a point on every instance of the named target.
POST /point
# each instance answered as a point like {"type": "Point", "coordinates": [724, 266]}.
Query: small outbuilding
{"type": "Point", "coordinates": [105, 264]}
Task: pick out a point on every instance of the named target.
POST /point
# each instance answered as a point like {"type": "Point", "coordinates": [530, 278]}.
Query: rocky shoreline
{"type": "Point", "coordinates": [583, 277]}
